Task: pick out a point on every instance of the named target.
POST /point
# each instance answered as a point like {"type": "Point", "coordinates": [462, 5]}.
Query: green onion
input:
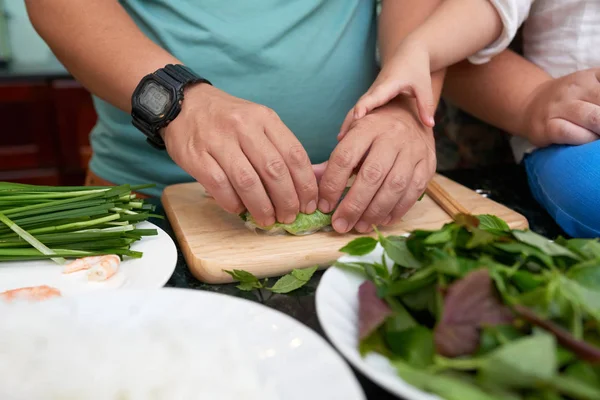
{"type": "Point", "coordinates": [58, 222]}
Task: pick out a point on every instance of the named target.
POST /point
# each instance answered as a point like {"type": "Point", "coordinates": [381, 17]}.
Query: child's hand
{"type": "Point", "coordinates": [408, 73]}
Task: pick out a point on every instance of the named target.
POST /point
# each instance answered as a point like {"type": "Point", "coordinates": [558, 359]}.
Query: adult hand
{"type": "Point", "coordinates": [395, 157]}
{"type": "Point", "coordinates": [243, 154]}
{"type": "Point", "coordinates": [565, 110]}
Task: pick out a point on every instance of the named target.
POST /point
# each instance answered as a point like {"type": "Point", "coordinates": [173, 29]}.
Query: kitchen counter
{"type": "Point", "coordinates": [506, 185]}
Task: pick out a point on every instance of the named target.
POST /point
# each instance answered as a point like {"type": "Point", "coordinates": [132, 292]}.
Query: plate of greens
{"type": "Point", "coordinates": [473, 310]}
{"type": "Point", "coordinates": [70, 240]}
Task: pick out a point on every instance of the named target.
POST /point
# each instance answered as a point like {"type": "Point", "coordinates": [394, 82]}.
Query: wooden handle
{"type": "Point", "coordinates": [445, 200]}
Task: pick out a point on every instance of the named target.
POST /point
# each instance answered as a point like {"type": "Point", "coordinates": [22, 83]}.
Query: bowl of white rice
{"type": "Point", "coordinates": [164, 344]}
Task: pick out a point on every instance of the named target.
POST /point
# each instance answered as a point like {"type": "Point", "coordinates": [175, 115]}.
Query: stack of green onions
{"type": "Point", "coordinates": [60, 222]}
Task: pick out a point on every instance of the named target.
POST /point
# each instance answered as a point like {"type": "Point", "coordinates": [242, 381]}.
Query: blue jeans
{"type": "Point", "coordinates": [565, 180]}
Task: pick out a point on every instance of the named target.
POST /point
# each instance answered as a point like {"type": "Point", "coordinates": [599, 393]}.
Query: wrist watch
{"type": "Point", "coordinates": [157, 100]}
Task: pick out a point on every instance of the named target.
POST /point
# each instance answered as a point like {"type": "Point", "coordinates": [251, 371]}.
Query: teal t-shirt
{"type": "Point", "coordinates": [309, 60]}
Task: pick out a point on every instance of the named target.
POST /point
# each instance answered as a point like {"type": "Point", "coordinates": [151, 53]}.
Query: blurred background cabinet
{"type": "Point", "coordinates": [44, 134]}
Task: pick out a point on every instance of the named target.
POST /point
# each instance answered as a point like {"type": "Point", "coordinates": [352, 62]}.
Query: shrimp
{"type": "Point", "coordinates": [32, 293]}
{"type": "Point", "coordinates": [82, 264]}
{"type": "Point", "coordinates": [105, 268]}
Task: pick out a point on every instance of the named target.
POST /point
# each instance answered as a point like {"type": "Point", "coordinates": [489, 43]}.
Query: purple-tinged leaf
{"type": "Point", "coordinates": [470, 304]}
{"type": "Point", "coordinates": [372, 311]}
{"type": "Point", "coordinates": [583, 350]}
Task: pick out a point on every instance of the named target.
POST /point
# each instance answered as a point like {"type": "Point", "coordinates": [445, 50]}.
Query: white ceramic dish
{"type": "Point", "coordinates": [337, 310]}
{"type": "Point", "coordinates": [151, 271]}
{"type": "Point", "coordinates": [294, 359]}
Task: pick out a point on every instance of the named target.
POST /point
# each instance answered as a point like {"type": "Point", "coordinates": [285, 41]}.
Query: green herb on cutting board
{"type": "Point", "coordinates": [304, 224]}
{"type": "Point", "coordinates": [58, 222]}
{"type": "Point", "coordinates": [476, 310]}
{"type": "Point", "coordinates": [290, 282]}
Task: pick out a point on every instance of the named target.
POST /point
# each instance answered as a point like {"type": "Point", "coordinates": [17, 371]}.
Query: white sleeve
{"type": "Point", "coordinates": [512, 13]}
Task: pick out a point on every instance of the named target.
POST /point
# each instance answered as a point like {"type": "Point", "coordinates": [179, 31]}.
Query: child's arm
{"type": "Point", "coordinates": [455, 31]}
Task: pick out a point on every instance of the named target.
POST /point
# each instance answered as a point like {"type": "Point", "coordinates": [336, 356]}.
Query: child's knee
{"type": "Point", "coordinates": [563, 180]}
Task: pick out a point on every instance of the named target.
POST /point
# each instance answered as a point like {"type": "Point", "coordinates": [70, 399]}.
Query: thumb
{"type": "Point", "coordinates": [378, 96]}
{"type": "Point", "coordinates": [346, 125]}
{"type": "Point", "coordinates": [425, 104]}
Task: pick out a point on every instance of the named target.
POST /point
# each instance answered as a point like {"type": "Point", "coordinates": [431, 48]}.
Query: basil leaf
{"type": "Point", "coordinates": [584, 373]}
{"type": "Point", "coordinates": [526, 251]}
{"type": "Point", "coordinates": [586, 274]}
{"type": "Point", "coordinates": [480, 237]}
{"type": "Point", "coordinates": [374, 343]}
{"type": "Point", "coordinates": [414, 345]}
{"type": "Point", "coordinates": [550, 248]}
{"type": "Point", "coordinates": [304, 274]}
{"type": "Point", "coordinates": [395, 247]}
{"type": "Point", "coordinates": [243, 276]}
{"type": "Point", "coordinates": [439, 237]}
{"type": "Point", "coordinates": [360, 246]}
{"type": "Point", "coordinates": [527, 281]}
{"type": "Point", "coordinates": [249, 286]}
{"type": "Point", "coordinates": [292, 281]}
{"type": "Point", "coordinates": [491, 222]}
{"type": "Point", "coordinates": [447, 387]}
{"type": "Point", "coordinates": [586, 248]}
{"type": "Point", "coordinates": [522, 363]}
{"type": "Point", "coordinates": [589, 300]}
{"type": "Point", "coordinates": [574, 388]}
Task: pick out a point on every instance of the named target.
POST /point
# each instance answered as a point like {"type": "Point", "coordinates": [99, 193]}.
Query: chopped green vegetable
{"type": "Point", "coordinates": [478, 310]}
{"type": "Point", "coordinates": [286, 284]}
{"type": "Point", "coordinates": [58, 222]}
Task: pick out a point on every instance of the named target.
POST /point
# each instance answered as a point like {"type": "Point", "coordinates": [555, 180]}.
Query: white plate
{"type": "Point", "coordinates": [337, 310]}
{"type": "Point", "coordinates": [285, 354]}
{"type": "Point", "coordinates": [151, 271]}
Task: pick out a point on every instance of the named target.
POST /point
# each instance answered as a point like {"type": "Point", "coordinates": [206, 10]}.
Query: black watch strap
{"type": "Point", "coordinates": [177, 77]}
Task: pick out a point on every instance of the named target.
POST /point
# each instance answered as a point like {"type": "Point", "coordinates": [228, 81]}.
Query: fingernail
{"type": "Point", "coordinates": [311, 207]}
{"type": "Point", "coordinates": [324, 206]}
{"type": "Point", "coordinates": [362, 227]}
{"type": "Point", "coordinates": [340, 225]}
{"type": "Point", "coordinates": [387, 220]}
{"type": "Point", "coordinates": [289, 219]}
{"type": "Point", "coordinates": [269, 221]}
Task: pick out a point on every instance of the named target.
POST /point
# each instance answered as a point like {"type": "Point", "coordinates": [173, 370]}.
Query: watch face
{"type": "Point", "coordinates": [154, 98]}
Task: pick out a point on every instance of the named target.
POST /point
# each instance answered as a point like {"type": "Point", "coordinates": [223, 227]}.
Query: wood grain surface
{"type": "Point", "coordinates": [213, 240]}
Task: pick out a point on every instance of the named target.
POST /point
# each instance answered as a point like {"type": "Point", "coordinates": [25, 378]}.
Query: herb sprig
{"type": "Point", "coordinates": [290, 282]}
{"type": "Point", "coordinates": [476, 310]}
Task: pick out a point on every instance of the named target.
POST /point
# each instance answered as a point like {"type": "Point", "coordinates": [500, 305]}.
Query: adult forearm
{"type": "Point", "coordinates": [99, 44]}
{"type": "Point", "coordinates": [397, 20]}
{"type": "Point", "coordinates": [496, 92]}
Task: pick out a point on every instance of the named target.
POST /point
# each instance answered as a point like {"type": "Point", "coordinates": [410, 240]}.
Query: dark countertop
{"type": "Point", "coordinates": [506, 185]}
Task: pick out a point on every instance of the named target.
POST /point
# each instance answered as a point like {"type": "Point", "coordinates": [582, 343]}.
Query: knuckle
{"type": "Point", "coordinates": [372, 173]}
{"type": "Point", "coordinates": [237, 119]}
{"type": "Point", "coordinates": [290, 204]}
{"type": "Point", "coordinates": [376, 212]}
{"type": "Point", "coordinates": [309, 187]}
{"type": "Point", "coordinates": [267, 210]}
{"type": "Point", "coordinates": [420, 183]}
{"type": "Point", "coordinates": [328, 187]}
{"type": "Point", "coordinates": [267, 112]}
{"type": "Point", "coordinates": [245, 179]}
{"type": "Point", "coordinates": [276, 169]}
{"type": "Point", "coordinates": [298, 156]}
{"type": "Point", "coordinates": [218, 180]}
{"type": "Point", "coordinates": [355, 207]}
{"type": "Point", "coordinates": [342, 158]}
{"type": "Point", "coordinates": [398, 183]}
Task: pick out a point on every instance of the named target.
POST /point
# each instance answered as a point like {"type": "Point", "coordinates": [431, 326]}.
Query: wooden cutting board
{"type": "Point", "coordinates": [212, 240]}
